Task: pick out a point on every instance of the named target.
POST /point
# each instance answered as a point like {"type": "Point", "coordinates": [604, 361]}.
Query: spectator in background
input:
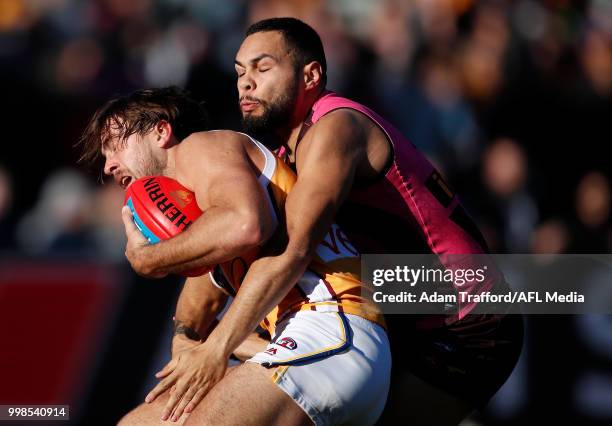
{"type": "Point", "coordinates": [596, 61]}
{"type": "Point", "coordinates": [550, 237]}
{"type": "Point", "coordinates": [60, 222]}
{"type": "Point", "coordinates": [591, 228]}
{"type": "Point", "coordinates": [505, 173]}
{"type": "Point", "coordinates": [107, 228]}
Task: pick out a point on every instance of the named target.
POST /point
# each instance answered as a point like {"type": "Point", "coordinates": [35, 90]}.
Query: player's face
{"type": "Point", "coordinates": [132, 158]}
{"type": "Point", "coordinates": [268, 83]}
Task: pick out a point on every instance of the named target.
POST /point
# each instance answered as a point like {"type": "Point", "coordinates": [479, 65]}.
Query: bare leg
{"type": "Point", "coordinates": [248, 397]}
{"type": "Point", "coordinates": [251, 345]}
{"type": "Point", "coordinates": [150, 413]}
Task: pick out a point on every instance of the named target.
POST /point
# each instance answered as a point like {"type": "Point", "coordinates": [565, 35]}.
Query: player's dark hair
{"type": "Point", "coordinates": [138, 113]}
{"type": "Point", "coordinates": [304, 43]}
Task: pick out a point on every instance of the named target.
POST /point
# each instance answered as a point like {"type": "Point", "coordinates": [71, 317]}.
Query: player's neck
{"type": "Point", "coordinates": [292, 139]}
{"type": "Point", "coordinates": [292, 134]}
{"type": "Point", "coordinates": [170, 169]}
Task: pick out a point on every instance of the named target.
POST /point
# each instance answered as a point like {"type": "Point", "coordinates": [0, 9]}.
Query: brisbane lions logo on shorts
{"type": "Point", "coordinates": [287, 342]}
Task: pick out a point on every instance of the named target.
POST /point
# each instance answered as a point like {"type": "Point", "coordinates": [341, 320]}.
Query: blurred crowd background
{"type": "Point", "coordinates": [511, 99]}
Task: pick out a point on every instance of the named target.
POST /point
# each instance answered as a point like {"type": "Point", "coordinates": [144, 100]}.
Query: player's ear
{"type": "Point", "coordinates": [163, 134]}
{"type": "Point", "coordinates": [313, 75]}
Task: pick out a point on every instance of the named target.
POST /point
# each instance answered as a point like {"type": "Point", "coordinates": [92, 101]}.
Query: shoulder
{"type": "Point", "coordinates": [342, 117]}
{"type": "Point", "coordinates": [202, 145]}
{"type": "Point", "coordinates": [211, 140]}
{"type": "Point", "coordinates": [208, 151]}
{"type": "Point", "coordinates": [340, 131]}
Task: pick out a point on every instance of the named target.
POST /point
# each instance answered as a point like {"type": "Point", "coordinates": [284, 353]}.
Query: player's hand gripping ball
{"type": "Point", "coordinates": [162, 208]}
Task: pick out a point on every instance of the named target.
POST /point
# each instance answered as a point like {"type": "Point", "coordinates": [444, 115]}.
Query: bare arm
{"type": "Point", "coordinates": [197, 308]}
{"type": "Point", "coordinates": [235, 219]}
{"type": "Point", "coordinates": [198, 305]}
{"type": "Point", "coordinates": [337, 146]}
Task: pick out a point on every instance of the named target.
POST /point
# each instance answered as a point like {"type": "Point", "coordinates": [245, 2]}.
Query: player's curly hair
{"type": "Point", "coordinates": [139, 112]}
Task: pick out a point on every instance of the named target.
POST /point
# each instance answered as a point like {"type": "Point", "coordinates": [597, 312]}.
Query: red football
{"type": "Point", "coordinates": [162, 208]}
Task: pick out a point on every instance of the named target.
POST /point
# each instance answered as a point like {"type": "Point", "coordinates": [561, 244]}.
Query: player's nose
{"type": "Point", "coordinates": [110, 165]}
{"type": "Point", "coordinates": [245, 84]}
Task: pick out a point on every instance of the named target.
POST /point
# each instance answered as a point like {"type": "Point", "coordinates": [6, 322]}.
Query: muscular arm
{"type": "Point", "coordinates": [336, 147]}
{"type": "Point", "coordinates": [216, 167]}
{"type": "Point", "coordinates": [198, 305]}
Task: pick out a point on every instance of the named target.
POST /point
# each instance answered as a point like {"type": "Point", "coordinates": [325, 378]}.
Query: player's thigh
{"type": "Point", "coordinates": [248, 397]}
{"type": "Point", "coordinates": [149, 413]}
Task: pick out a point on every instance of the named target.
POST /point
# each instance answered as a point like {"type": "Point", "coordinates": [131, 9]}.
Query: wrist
{"type": "Point", "coordinates": [147, 259]}
{"type": "Point", "coordinates": [181, 343]}
{"type": "Point", "coordinates": [182, 329]}
{"type": "Point", "coordinates": [220, 343]}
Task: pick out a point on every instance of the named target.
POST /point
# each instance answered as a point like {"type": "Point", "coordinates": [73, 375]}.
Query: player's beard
{"type": "Point", "coordinates": [276, 115]}
{"type": "Point", "coordinates": [150, 165]}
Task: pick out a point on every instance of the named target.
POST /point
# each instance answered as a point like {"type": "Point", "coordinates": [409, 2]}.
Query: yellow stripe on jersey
{"type": "Point", "coordinates": [322, 350]}
{"type": "Point", "coordinates": [279, 373]}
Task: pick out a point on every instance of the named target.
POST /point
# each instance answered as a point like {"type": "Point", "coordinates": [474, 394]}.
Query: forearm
{"type": "Point", "coordinates": [217, 236]}
{"type": "Point", "coordinates": [268, 281]}
{"type": "Point", "coordinates": [197, 307]}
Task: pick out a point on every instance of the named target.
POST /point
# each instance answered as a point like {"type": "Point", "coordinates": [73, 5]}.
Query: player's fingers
{"type": "Point", "coordinates": [168, 368]}
{"type": "Point", "coordinates": [197, 397]}
{"type": "Point", "coordinates": [183, 403]}
{"type": "Point", "coordinates": [173, 401]}
{"type": "Point", "coordinates": [131, 231]}
{"type": "Point", "coordinates": [128, 221]}
{"type": "Point", "coordinates": [160, 388]}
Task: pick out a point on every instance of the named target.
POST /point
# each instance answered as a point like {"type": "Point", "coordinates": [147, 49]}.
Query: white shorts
{"type": "Point", "coordinates": [335, 366]}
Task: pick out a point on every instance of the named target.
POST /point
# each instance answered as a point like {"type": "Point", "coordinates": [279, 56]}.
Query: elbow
{"type": "Point", "coordinates": [251, 232]}
{"type": "Point", "coordinates": [255, 228]}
